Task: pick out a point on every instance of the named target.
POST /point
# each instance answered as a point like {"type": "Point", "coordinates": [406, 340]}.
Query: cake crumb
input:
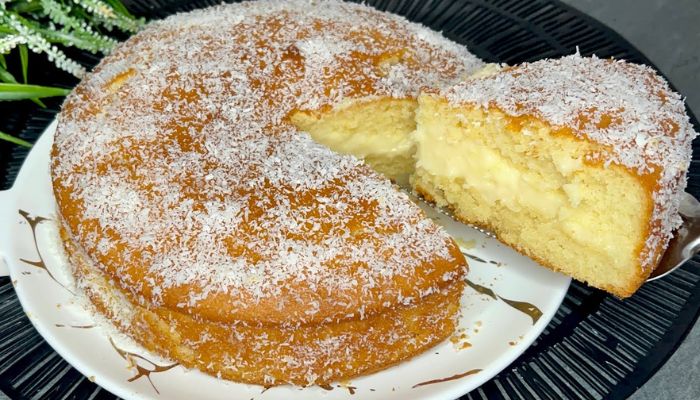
{"type": "Point", "coordinates": [466, 244]}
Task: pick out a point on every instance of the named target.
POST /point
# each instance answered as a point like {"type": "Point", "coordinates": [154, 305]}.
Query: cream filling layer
{"type": "Point", "coordinates": [485, 171]}
{"type": "Point", "coordinates": [368, 145]}
{"type": "Point", "coordinates": [480, 169]}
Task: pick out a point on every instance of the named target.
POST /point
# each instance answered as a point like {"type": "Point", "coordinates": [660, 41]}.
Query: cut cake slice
{"type": "Point", "coordinates": [577, 162]}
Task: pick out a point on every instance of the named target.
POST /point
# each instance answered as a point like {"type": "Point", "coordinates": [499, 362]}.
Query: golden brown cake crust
{"type": "Point", "coordinates": [269, 355]}
{"type": "Point", "coordinates": [176, 169]}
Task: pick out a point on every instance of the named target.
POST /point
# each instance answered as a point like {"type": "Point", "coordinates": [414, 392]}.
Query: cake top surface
{"type": "Point", "coordinates": [176, 169]}
{"type": "Point", "coordinates": [627, 108]}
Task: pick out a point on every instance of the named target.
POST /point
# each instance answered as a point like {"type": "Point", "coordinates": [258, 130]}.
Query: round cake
{"type": "Point", "coordinates": [206, 224]}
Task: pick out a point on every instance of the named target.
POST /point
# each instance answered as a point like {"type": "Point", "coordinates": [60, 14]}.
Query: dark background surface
{"type": "Point", "coordinates": [596, 346]}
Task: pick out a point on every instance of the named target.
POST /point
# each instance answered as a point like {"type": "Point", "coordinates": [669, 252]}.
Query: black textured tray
{"type": "Point", "coordinates": [595, 347]}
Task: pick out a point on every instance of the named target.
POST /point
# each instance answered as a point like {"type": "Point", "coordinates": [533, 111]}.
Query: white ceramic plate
{"type": "Point", "coordinates": [499, 314]}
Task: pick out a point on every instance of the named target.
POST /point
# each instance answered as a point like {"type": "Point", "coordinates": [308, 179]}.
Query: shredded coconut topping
{"type": "Point", "coordinates": [176, 169]}
{"type": "Point", "coordinates": [627, 108]}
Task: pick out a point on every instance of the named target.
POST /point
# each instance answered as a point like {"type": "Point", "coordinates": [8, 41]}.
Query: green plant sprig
{"type": "Point", "coordinates": [46, 26]}
{"type": "Point", "coordinates": [18, 91]}
{"type": "Point", "coordinates": [13, 139]}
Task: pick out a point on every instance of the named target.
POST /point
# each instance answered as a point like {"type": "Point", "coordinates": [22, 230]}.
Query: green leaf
{"type": "Point", "coordinates": [6, 76]}
{"type": "Point", "coordinates": [38, 102]}
{"type": "Point", "coordinates": [15, 140]}
{"type": "Point", "coordinates": [6, 30]}
{"type": "Point", "coordinates": [120, 8]}
{"type": "Point", "coordinates": [24, 7]}
{"type": "Point", "coordinates": [24, 59]}
{"type": "Point", "coordinates": [17, 91]}
{"type": "Point", "coordinates": [2, 61]}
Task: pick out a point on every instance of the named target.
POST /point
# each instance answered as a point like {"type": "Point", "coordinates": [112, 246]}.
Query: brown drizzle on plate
{"type": "Point", "coordinates": [449, 378]}
{"type": "Point", "coordinates": [33, 224]}
{"type": "Point", "coordinates": [526, 308]}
